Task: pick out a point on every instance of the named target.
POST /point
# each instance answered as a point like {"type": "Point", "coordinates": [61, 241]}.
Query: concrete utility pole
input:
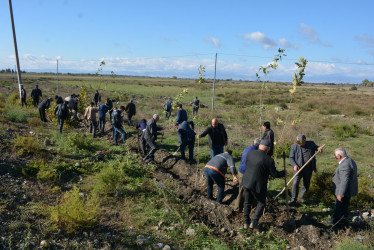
{"type": "Point", "coordinates": [214, 83]}
{"type": "Point", "coordinates": [15, 48]}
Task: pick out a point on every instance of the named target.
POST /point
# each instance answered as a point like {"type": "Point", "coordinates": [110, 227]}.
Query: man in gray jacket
{"type": "Point", "coordinates": [345, 184]}
{"type": "Point", "coordinates": [300, 153]}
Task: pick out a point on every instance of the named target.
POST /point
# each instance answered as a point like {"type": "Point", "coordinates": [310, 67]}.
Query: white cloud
{"type": "Point", "coordinates": [284, 43]}
{"type": "Point", "coordinates": [214, 41]}
{"type": "Point", "coordinates": [261, 38]}
{"type": "Point", "coordinates": [311, 35]}
{"type": "Point", "coordinates": [368, 42]}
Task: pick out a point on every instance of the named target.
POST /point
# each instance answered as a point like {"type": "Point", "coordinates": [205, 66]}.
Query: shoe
{"type": "Point", "coordinates": [254, 225]}
{"type": "Point", "coordinates": [292, 204]}
{"type": "Point", "coordinates": [330, 221]}
{"type": "Point", "coordinates": [245, 226]}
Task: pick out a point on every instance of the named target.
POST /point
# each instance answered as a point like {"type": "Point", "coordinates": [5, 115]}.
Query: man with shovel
{"type": "Point", "coordinates": [300, 153]}
{"type": "Point", "coordinates": [186, 137]}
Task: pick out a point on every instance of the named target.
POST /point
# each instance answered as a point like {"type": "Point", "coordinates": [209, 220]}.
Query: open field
{"type": "Point", "coordinates": [338, 116]}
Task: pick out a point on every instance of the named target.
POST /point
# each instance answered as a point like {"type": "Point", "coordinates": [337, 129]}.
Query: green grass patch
{"type": "Point", "coordinates": [16, 115]}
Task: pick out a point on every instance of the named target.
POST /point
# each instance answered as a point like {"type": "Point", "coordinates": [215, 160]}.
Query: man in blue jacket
{"type": "Point", "coordinates": [103, 109]}
{"type": "Point", "coordinates": [186, 137]}
{"type": "Point", "coordinates": [238, 206]}
{"type": "Point", "coordinates": [300, 153]}
{"type": "Point", "coordinates": [181, 114]}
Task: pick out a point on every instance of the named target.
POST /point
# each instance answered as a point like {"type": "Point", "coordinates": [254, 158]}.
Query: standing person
{"type": "Point", "coordinates": [345, 184]}
{"type": "Point", "coordinates": [90, 115]}
{"type": "Point", "coordinates": [142, 125]}
{"type": "Point", "coordinates": [45, 104]}
{"type": "Point", "coordinates": [268, 135]}
{"type": "Point", "coordinates": [300, 153]}
{"type": "Point", "coordinates": [168, 107]}
{"type": "Point", "coordinates": [215, 171]}
{"type": "Point", "coordinates": [181, 114]}
{"type": "Point", "coordinates": [186, 137]}
{"type": "Point", "coordinates": [58, 99]}
{"type": "Point", "coordinates": [75, 101]}
{"type": "Point", "coordinates": [195, 106]}
{"type": "Point", "coordinates": [150, 136]}
{"type": "Point", "coordinates": [238, 206]}
{"type": "Point", "coordinates": [117, 121]}
{"type": "Point", "coordinates": [217, 137]}
{"type": "Point", "coordinates": [23, 96]}
{"type": "Point", "coordinates": [103, 109]}
{"type": "Point", "coordinates": [131, 111]}
{"type": "Point", "coordinates": [259, 166]}
{"type": "Point", "coordinates": [62, 113]}
{"type": "Point", "coordinates": [97, 98]}
{"type": "Point", "coordinates": [109, 103]}
{"type": "Point", "coordinates": [35, 95]}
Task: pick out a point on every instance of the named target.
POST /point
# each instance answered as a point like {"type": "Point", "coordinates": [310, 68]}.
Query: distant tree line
{"type": "Point", "coordinates": [367, 83]}
{"type": "Point", "coordinates": [10, 71]}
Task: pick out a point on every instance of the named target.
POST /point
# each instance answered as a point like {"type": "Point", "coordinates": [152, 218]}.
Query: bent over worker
{"type": "Point", "coordinates": [215, 171]}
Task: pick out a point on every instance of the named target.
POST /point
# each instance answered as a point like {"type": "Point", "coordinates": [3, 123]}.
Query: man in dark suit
{"type": "Point", "coordinates": [300, 153]}
{"type": "Point", "coordinates": [186, 137]}
{"type": "Point", "coordinates": [345, 184]}
{"type": "Point", "coordinates": [259, 166]}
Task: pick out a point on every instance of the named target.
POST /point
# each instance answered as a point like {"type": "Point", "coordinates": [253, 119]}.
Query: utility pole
{"type": "Point", "coordinates": [15, 48]}
{"type": "Point", "coordinates": [58, 82]}
{"type": "Point", "coordinates": [214, 83]}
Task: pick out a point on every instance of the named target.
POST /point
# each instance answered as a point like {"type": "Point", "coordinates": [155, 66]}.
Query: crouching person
{"type": "Point", "coordinates": [186, 137]}
{"type": "Point", "coordinates": [215, 171]}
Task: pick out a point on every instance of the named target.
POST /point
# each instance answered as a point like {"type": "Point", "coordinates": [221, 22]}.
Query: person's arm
{"type": "Point", "coordinates": [344, 175]}
{"type": "Point", "coordinates": [231, 164]}
{"type": "Point", "coordinates": [207, 130]}
{"type": "Point", "coordinates": [292, 158]}
{"type": "Point", "coordinates": [274, 172]}
{"type": "Point", "coordinates": [191, 124]}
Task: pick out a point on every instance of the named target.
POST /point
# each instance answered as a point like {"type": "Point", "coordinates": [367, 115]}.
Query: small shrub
{"type": "Point", "coordinates": [364, 197]}
{"type": "Point", "coordinates": [16, 115]}
{"type": "Point", "coordinates": [73, 211]}
{"type": "Point", "coordinates": [47, 175]}
{"type": "Point", "coordinates": [329, 111]}
{"type": "Point", "coordinates": [34, 121]}
{"type": "Point", "coordinates": [321, 187]}
{"type": "Point", "coordinates": [349, 244]}
{"type": "Point", "coordinates": [27, 145]}
{"type": "Point", "coordinates": [353, 88]}
{"type": "Point", "coordinates": [77, 142]}
{"type": "Point", "coordinates": [13, 99]}
{"type": "Point", "coordinates": [107, 181]}
{"type": "Point", "coordinates": [343, 131]}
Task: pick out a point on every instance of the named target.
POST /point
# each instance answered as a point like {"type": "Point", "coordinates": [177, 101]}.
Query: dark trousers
{"type": "Point", "coordinates": [129, 116]}
{"type": "Point", "coordinates": [61, 123]}
{"type": "Point", "coordinates": [194, 111]}
{"type": "Point", "coordinates": [212, 176]}
{"type": "Point", "coordinates": [142, 143]}
{"type": "Point", "coordinates": [215, 150]}
{"type": "Point", "coordinates": [168, 114]}
{"type": "Point", "coordinates": [23, 101]}
{"type": "Point", "coordinates": [93, 125]}
{"type": "Point", "coordinates": [42, 115]}
{"type": "Point", "coordinates": [102, 123]}
{"type": "Point", "coordinates": [306, 175]}
{"type": "Point", "coordinates": [36, 102]}
{"type": "Point", "coordinates": [249, 196]}
{"type": "Point", "coordinates": [191, 146]}
{"type": "Point", "coordinates": [341, 209]}
{"type": "Point", "coordinates": [116, 132]}
{"type": "Point", "coordinates": [153, 147]}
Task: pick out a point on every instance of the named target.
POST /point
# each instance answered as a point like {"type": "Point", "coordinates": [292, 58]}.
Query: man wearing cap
{"type": "Point", "coordinates": [186, 137]}
{"type": "Point", "coordinates": [238, 206]}
{"type": "Point", "coordinates": [259, 166]}
{"type": "Point", "coordinates": [300, 153]}
{"type": "Point", "coordinates": [215, 171]}
{"type": "Point", "coordinates": [150, 136]}
{"type": "Point", "coordinates": [268, 135]}
{"type": "Point", "coordinates": [217, 137]}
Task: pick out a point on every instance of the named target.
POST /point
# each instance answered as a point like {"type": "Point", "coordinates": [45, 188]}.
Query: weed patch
{"type": "Point", "coordinates": [16, 115]}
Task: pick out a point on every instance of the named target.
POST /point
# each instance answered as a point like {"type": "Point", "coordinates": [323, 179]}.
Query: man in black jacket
{"type": "Point", "coordinates": [97, 98]}
{"type": "Point", "coordinates": [45, 104]}
{"type": "Point", "coordinates": [23, 96]}
{"type": "Point", "coordinates": [117, 128]}
{"type": "Point", "coordinates": [131, 111]}
{"type": "Point", "coordinates": [35, 95]}
{"type": "Point", "coordinates": [259, 166]}
{"type": "Point", "coordinates": [150, 135]}
{"type": "Point", "coordinates": [217, 137]}
{"type": "Point", "coordinates": [268, 135]}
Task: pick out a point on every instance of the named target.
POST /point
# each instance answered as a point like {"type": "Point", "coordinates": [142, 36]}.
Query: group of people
{"type": "Point", "coordinates": [256, 165]}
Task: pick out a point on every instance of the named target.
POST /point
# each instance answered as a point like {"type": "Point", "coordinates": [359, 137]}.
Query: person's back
{"type": "Point", "coordinates": [116, 118]}
{"type": "Point", "coordinates": [103, 109]}
{"type": "Point", "coordinates": [63, 110]}
{"type": "Point", "coordinates": [185, 132]}
{"type": "Point", "coordinates": [44, 104]}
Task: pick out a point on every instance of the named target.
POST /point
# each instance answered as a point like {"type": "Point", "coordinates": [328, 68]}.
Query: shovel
{"type": "Point", "coordinates": [175, 153]}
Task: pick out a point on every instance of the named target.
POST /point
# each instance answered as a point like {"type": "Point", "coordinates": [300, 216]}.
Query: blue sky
{"type": "Point", "coordinates": [173, 38]}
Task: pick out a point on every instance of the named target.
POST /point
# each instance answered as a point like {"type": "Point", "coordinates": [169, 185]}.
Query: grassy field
{"type": "Point", "coordinates": [335, 115]}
